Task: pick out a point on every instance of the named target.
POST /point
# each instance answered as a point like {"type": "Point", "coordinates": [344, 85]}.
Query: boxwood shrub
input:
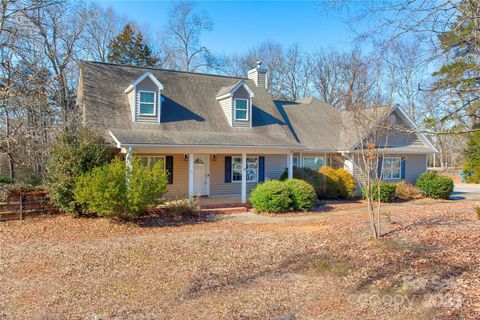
{"type": "Point", "coordinates": [271, 196]}
{"type": "Point", "coordinates": [386, 192]}
{"type": "Point", "coordinates": [302, 194]}
{"type": "Point", "coordinates": [434, 185]}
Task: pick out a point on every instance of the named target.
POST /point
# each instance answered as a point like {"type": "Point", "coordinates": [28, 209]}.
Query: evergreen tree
{"type": "Point", "coordinates": [129, 48]}
{"type": "Point", "coordinates": [461, 75]}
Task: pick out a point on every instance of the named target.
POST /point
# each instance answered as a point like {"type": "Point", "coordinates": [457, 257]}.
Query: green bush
{"type": "Point", "coordinates": [472, 157]}
{"type": "Point", "coordinates": [72, 155]}
{"type": "Point", "coordinates": [347, 183]}
{"type": "Point", "coordinates": [107, 191]}
{"type": "Point", "coordinates": [385, 191]}
{"type": "Point", "coordinates": [435, 186]}
{"type": "Point", "coordinates": [312, 177]}
{"type": "Point", "coordinates": [5, 180]}
{"type": "Point", "coordinates": [271, 196]}
{"type": "Point", "coordinates": [330, 183]}
{"type": "Point", "coordinates": [302, 194]}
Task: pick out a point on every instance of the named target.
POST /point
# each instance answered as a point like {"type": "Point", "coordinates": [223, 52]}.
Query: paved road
{"type": "Point", "coordinates": [462, 192]}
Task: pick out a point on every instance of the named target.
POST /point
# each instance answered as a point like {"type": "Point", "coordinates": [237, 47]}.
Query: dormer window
{"type": "Point", "coordinates": [236, 101]}
{"type": "Point", "coordinates": [241, 109]}
{"type": "Point", "coordinates": [145, 99]}
{"type": "Point", "coordinates": [147, 103]}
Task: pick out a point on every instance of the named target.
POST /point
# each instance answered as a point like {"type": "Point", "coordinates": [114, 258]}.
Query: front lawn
{"type": "Point", "coordinates": [64, 268]}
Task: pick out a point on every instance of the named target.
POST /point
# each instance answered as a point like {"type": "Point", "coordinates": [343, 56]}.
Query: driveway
{"type": "Point", "coordinates": [462, 192]}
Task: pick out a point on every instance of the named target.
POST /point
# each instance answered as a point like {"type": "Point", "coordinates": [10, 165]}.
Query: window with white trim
{"type": "Point", "coordinates": [151, 161]}
{"type": "Point", "coordinates": [241, 109]}
{"type": "Point", "coordinates": [313, 163]}
{"type": "Point", "coordinates": [392, 167]}
{"type": "Point", "coordinates": [252, 169]}
{"type": "Point", "coordinates": [147, 103]}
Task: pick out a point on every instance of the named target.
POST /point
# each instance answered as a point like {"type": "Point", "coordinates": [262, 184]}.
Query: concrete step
{"type": "Point", "coordinates": [225, 210]}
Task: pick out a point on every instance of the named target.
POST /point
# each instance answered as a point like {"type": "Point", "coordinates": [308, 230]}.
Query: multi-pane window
{"type": "Point", "coordinates": [147, 103]}
{"type": "Point", "coordinates": [313, 162]}
{"type": "Point", "coordinates": [241, 109]}
{"type": "Point", "coordinates": [392, 167]}
{"type": "Point", "coordinates": [252, 169]}
{"type": "Point", "coordinates": [151, 161]}
{"type": "Point", "coordinates": [295, 162]}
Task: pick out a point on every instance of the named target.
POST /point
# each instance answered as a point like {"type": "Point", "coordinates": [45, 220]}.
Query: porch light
{"type": "Point", "coordinates": [185, 157]}
{"type": "Point", "coordinates": [214, 157]}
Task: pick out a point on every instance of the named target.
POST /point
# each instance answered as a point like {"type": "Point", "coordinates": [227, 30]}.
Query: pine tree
{"type": "Point", "coordinates": [461, 76]}
{"type": "Point", "coordinates": [129, 48]}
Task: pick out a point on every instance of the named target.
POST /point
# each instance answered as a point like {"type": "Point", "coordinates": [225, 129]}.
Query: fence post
{"type": "Point", "coordinates": [21, 206]}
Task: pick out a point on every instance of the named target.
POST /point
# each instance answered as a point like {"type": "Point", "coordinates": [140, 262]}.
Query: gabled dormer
{"type": "Point", "coordinates": [145, 99]}
{"type": "Point", "coordinates": [236, 101]}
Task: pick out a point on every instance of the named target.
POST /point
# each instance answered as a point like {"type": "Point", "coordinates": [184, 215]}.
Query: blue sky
{"type": "Point", "coordinates": [241, 25]}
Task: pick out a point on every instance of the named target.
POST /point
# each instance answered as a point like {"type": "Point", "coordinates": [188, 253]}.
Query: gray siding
{"type": "Point", "coordinates": [147, 85]}
{"type": "Point", "coordinates": [399, 136]}
{"type": "Point", "coordinates": [226, 105]}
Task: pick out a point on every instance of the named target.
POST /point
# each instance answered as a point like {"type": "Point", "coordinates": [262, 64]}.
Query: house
{"type": "Point", "coordinates": [220, 136]}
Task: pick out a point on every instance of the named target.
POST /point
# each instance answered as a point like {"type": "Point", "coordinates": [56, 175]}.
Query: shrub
{"type": "Point", "coordinates": [72, 155]}
{"type": "Point", "coordinates": [477, 211]}
{"type": "Point", "coordinates": [435, 186]}
{"type": "Point", "coordinates": [312, 177]}
{"type": "Point", "coordinates": [181, 208]}
{"type": "Point", "coordinates": [385, 191]}
{"type": "Point", "coordinates": [302, 194]}
{"type": "Point", "coordinates": [330, 187]}
{"type": "Point", "coordinates": [107, 191]}
{"type": "Point", "coordinates": [472, 155]}
{"type": "Point", "coordinates": [406, 191]}
{"type": "Point", "coordinates": [271, 196]}
{"type": "Point", "coordinates": [347, 183]}
{"type": "Point", "coordinates": [5, 180]}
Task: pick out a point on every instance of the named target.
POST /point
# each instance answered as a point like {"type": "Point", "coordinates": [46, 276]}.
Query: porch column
{"type": "Point", "coordinates": [300, 160]}
{"type": "Point", "coordinates": [190, 176]}
{"type": "Point", "coordinates": [128, 162]}
{"type": "Point", "coordinates": [244, 177]}
{"type": "Point", "coordinates": [290, 165]}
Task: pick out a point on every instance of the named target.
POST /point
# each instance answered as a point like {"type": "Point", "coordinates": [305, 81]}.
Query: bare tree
{"type": "Point", "coordinates": [295, 74]}
{"type": "Point", "coordinates": [327, 76]}
{"type": "Point", "coordinates": [182, 34]}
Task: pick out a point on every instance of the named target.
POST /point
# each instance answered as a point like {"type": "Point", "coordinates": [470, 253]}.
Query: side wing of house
{"type": "Point", "coordinates": [402, 150]}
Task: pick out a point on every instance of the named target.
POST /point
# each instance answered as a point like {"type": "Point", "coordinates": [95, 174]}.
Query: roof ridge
{"type": "Point", "coordinates": [162, 69]}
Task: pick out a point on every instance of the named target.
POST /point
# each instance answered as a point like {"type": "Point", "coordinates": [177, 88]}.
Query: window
{"type": "Point", "coordinates": [295, 162]}
{"type": "Point", "coordinates": [392, 167]}
{"type": "Point", "coordinates": [147, 103]}
{"type": "Point", "coordinates": [241, 109]}
{"type": "Point", "coordinates": [313, 162]}
{"type": "Point", "coordinates": [151, 161]}
{"type": "Point", "coordinates": [252, 169]}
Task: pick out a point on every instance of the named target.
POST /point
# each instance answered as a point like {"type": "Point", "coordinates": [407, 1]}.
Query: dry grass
{"type": "Point", "coordinates": [427, 266]}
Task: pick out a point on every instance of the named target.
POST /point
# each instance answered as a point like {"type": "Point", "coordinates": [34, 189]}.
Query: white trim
{"type": "Point", "coordinates": [245, 169]}
{"type": "Point", "coordinates": [235, 109]}
{"type": "Point", "coordinates": [134, 84]}
{"type": "Point", "coordinates": [190, 175]}
{"type": "Point", "coordinates": [419, 134]}
{"type": "Point", "coordinates": [290, 166]}
{"type": "Point", "coordinates": [119, 145]}
{"type": "Point", "coordinates": [152, 103]}
{"type": "Point", "coordinates": [383, 167]}
{"type": "Point", "coordinates": [244, 176]}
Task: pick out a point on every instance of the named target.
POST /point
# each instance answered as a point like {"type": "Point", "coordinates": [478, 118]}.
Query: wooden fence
{"type": "Point", "coordinates": [25, 204]}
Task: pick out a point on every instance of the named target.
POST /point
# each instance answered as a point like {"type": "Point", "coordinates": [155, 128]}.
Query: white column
{"type": "Point", "coordinates": [244, 177]}
{"type": "Point", "coordinates": [300, 160]}
{"type": "Point", "coordinates": [190, 175]}
{"type": "Point", "coordinates": [128, 161]}
{"type": "Point", "coordinates": [290, 165]}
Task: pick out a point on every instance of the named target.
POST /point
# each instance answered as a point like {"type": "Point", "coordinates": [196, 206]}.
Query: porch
{"type": "Point", "coordinates": [216, 176]}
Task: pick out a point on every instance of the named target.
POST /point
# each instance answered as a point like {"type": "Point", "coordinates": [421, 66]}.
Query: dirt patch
{"type": "Point", "coordinates": [425, 267]}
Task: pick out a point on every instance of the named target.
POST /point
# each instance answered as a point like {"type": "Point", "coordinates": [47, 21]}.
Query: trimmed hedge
{"type": "Point", "coordinates": [271, 196]}
{"type": "Point", "coordinates": [386, 193]}
{"type": "Point", "coordinates": [302, 194]}
{"type": "Point", "coordinates": [435, 186]}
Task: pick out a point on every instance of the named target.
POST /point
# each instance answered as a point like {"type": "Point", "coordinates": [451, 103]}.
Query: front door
{"type": "Point", "coordinates": [200, 177]}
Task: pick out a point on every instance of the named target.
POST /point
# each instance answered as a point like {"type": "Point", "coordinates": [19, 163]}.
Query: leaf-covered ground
{"type": "Point", "coordinates": [427, 266]}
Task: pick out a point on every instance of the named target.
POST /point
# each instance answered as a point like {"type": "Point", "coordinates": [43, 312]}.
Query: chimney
{"type": "Point", "coordinates": [259, 75]}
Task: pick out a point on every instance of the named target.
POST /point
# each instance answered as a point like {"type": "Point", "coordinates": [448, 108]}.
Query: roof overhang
{"type": "Point", "coordinates": [134, 84]}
